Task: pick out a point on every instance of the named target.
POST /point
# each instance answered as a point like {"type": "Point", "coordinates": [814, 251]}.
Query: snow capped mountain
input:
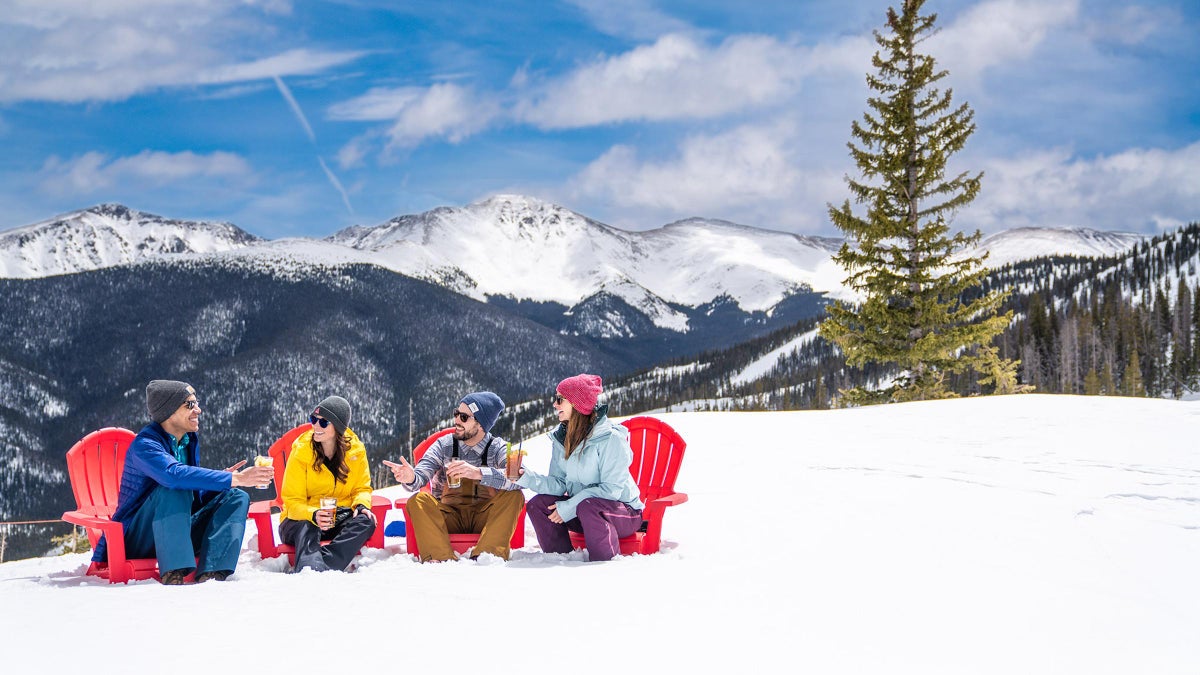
{"type": "Point", "coordinates": [1026, 243]}
{"type": "Point", "coordinates": [517, 247]}
{"type": "Point", "coordinates": [505, 245]}
{"type": "Point", "coordinates": [107, 235]}
{"type": "Point", "coordinates": [526, 248]}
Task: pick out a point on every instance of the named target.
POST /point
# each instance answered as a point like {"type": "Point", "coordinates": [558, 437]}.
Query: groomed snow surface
{"type": "Point", "coordinates": [1030, 534]}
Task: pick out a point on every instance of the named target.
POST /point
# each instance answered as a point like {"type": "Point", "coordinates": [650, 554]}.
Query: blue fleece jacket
{"type": "Point", "coordinates": [598, 468]}
{"type": "Point", "coordinates": [149, 463]}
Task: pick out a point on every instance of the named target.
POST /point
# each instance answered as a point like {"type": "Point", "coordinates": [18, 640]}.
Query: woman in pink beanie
{"type": "Point", "coordinates": [589, 488]}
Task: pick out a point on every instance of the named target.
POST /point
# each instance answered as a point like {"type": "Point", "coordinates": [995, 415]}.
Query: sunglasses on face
{"type": "Point", "coordinates": [558, 399]}
{"type": "Point", "coordinates": [461, 416]}
{"type": "Point", "coordinates": [318, 421]}
{"type": "Point", "coordinates": [191, 405]}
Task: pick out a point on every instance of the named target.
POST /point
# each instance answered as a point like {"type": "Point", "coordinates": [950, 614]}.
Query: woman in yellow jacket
{"type": "Point", "coordinates": [327, 461]}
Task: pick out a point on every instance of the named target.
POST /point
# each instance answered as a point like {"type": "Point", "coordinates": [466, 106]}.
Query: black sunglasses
{"type": "Point", "coordinates": [313, 419]}
{"type": "Point", "coordinates": [461, 416]}
{"type": "Point", "coordinates": [558, 399]}
{"type": "Point", "coordinates": [192, 405]}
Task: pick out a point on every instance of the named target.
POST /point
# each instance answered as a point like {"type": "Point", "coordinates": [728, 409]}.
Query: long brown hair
{"type": "Point", "coordinates": [578, 428]}
{"type": "Point", "coordinates": [337, 463]}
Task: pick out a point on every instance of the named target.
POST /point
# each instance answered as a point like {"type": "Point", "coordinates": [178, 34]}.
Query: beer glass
{"type": "Point", "coordinates": [263, 460]}
{"type": "Point", "coordinates": [452, 481]}
{"type": "Point", "coordinates": [329, 505]}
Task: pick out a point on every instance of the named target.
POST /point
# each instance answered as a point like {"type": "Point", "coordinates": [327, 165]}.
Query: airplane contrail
{"type": "Point", "coordinates": [337, 184]}
{"type": "Point", "coordinates": [291, 101]}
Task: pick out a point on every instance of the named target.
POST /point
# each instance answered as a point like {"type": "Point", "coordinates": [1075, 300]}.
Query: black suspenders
{"type": "Point", "coordinates": [485, 450]}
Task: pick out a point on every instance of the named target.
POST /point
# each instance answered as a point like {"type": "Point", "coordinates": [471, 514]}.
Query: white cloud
{"type": "Point", "coordinates": [749, 175]}
{"type": "Point", "coordinates": [1133, 190]}
{"type": "Point", "coordinates": [378, 104]}
{"type": "Point", "coordinates": [291, 62]}
{"type": "Point", "coordinates": [637, 19]}
{"type": "Point", "coordinates": [676, 77]}
{"type": "Point", "coordinates": [93, 171]}
{"type": "Point", "coordinates": [444, 110]}
{"type": "Point", "coordinates": [353, 154]}
{"type": "Point", "coordinates": [741, 165]}
{"type": "Point", "coordinates": [1130, 25]}
{"type": "Point", "coordinates": [998, 32]}
{"type": "Point", "coordinates": [74, 51]}
{"type": "Point", "coordinates": [679, 77]}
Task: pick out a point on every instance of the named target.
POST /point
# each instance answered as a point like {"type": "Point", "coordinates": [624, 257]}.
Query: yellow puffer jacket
{"type": "Point", "coordinates": [303, 486]}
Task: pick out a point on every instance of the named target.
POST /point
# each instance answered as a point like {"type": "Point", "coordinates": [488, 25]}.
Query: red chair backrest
{"type": "Point", "coordinates": [657, 455]}
{"type": "Point", "coordinates": [279, 452]}
{"type": "Point", "coordinates": [95, 464]}
{"type": "Point", "coordinates": [419, 451]}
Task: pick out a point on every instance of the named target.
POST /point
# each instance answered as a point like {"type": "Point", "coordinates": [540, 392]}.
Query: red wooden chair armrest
{"type": "Point", "coordinates": [653, 515]}
{"type": "Point", "coordinates": [379, 506]}
{"type": "Point", "coordinates": [657, 507]}
{"type": "Point", "coordinates": [86, 520]}
{"type": "Point", "coordinates": [120, 570]}
{"type": "Point", "coordinates": [260, 512]}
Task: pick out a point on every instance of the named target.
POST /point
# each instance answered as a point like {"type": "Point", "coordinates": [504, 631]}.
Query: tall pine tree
{"type": "Point", "coordinates": [922, 310]}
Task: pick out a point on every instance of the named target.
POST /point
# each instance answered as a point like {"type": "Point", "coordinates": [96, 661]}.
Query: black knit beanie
{"type": "Point", "coordinates": [337, 410]}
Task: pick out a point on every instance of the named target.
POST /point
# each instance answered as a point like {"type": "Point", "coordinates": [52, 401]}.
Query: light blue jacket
{"type": "Point", "coordinates": [599, 468]}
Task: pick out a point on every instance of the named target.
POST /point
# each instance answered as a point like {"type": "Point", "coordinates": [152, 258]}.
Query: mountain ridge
{"type": "Point", "coordinates": [518, 247]}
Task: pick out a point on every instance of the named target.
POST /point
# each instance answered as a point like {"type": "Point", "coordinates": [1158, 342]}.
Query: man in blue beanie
{"type": "Point", "coordinates": [486, 503]}
{"type": "Point", "coordinates": [186, 516]}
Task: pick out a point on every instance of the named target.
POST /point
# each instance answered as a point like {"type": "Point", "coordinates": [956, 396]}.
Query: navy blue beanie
{"type": "Point", "coordinates": [485, 406]}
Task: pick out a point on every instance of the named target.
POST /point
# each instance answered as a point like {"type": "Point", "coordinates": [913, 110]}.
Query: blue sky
{"type": "Point", "coordinates": [301, 118]}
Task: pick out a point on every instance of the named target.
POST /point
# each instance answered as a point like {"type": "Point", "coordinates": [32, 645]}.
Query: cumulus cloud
{"type": "Point", "coordinates": [94, 171]}
{"type": "Point", "coordinates": [680, 77]}
{"type": "Point", "coordinates": [72, 51]}
{"type": "Point", "coordinates": [997, 32]}
{"type": "Point", "coordinates": [445, 110]}
{"type": "Point", "coordinates": [749, 174]}
{"type": "Point", "coordinates": [676, 77]}
{"type": "Point", "coordinates": [1133, 190]}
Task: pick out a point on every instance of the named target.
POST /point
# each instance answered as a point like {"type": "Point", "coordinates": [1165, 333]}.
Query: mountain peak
{"type": "Point", "coordinates": [105, 235]}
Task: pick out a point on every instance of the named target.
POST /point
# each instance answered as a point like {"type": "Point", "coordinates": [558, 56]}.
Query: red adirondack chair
{"type": "Point", "coordinates": [657, 455]}
{"type": "Point", "coordinates": [459, 542]}
{"type": "Point", "coordinates": [260, 511]}
{"type": "Point", "coordinates": [95, 464]}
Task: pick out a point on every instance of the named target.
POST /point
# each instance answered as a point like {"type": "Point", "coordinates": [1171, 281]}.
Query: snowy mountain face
{"type": "Point", "coordinates": [105, 236]}
{"type": "Point", "coordinates": [1027, 243]}
{"type": "Point", "coordinates": [520, 248]}
{"type": "Point", "coordinates": [523, 248]}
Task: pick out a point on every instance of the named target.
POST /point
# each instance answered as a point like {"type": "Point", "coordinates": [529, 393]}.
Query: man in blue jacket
{"type": "Point", "coordinates": [186, 516]}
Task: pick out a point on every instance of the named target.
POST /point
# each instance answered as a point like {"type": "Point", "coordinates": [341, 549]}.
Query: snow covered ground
{"type": "Point", "coordinates": [1032, 534]}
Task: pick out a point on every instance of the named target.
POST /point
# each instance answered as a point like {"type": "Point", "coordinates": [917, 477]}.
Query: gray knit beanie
{"type": "Point", "coordinates": [337, 410]}
{"type": "Point", "coordinates": [163, 398]}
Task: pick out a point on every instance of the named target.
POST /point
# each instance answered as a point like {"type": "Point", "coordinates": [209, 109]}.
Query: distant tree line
{"type": "Point", "coordinates": [1118, 326]}
{"type": "Point", "coordinates": [1126, 325]}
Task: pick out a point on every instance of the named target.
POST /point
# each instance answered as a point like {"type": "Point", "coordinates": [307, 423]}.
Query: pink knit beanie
{"type": "Point", "coordinates": [582, 391]}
